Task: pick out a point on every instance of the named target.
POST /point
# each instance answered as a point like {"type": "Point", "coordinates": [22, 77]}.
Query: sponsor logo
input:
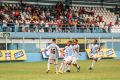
{"type": "Point", "coordinates": [0, 54]}
{"type": "Point", "coordinates": [18, 54]}
{"type": "Point", "coordinates": [8, 55]}
{"type": "Point", "coordinates": [110, 52]}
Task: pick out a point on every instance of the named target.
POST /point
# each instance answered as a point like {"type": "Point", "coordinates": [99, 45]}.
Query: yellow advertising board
{"type": "Point", "coordinates": [6, 55]}
{"type": "Point", "coordinates": [64, 41]}
{"type": "Point", "coordinates": [107, 53]}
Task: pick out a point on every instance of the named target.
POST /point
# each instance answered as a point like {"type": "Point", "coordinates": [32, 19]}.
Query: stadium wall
{"type": "Point", "coordinates": [36, 35]}
{"type": "Point", "coordinates": [32, 51]}
{"type": "Point", "coordinates": [34, 55]}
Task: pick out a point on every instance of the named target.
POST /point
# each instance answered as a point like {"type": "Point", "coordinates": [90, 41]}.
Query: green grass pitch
{"type": "Point", "coordinates": [104, 70]}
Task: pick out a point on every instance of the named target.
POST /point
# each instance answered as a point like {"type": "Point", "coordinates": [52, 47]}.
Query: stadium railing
{"type": "Point", "coordinates": [54, 28]}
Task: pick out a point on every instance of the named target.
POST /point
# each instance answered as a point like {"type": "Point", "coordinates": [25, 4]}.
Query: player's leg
{"type": "Point", "coordinates": [68, 69]}
{"type": "Point", "coordinates": [95, 58]}
{"type": "Point", "coordinates": [92, 65]}
{"type": "Point", "coordinates": [56, 66]}
{"type": "Point", "coordinates": [65, 67]}
{"type": "Point", "coordinates": [61, 67]}
{"type": "Point", "coordinates": [101, 56]}
{"type": "Point", "coordinates": [68, 62]}
{"type": "Point", "coordinates": [50, 61]}
{"type": "Point", "coordinates": [74, 63]}
{"type": "Point", "coordinates": [48, 66]}
{"type": "Point", "coordinates": [98, 59]}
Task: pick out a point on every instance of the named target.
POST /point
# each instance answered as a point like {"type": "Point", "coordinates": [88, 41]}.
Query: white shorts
{"type": "Point", "coordinates": [52, 59]}
{"type": "Point", "coordinates": [102, 55]}
{"type": "Point", "coordinates": [68, 59]}
{"type": "Point", "coordinates": [74, 60]}
{"type": "Point", "coordinates": [52, 56]}
{"type": "Point", "coordinates": [94, 56]}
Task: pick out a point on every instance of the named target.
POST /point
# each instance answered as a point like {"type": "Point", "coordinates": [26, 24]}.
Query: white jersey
{"type": "Point", "coordinates": [53, 49]}
{"type": "Point", "coordinates": [76, 50]}
{"type": "Point", "coordinates": [69, 50]}
{"type": "Point", "coordinates": [94, 48]}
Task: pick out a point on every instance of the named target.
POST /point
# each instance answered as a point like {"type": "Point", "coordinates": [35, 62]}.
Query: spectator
{"type": "Point", "coordinates": [59, 24]}
{"type": "Point", "coordinates": [47, 27]}
{"type": "Point", "coordinates": [10, 25]}
{"type": "Point", "coordinates": [27, 24]}
{"type": "Point", "coordinates": [56, 19]}
{"type": "Point", "coordinates": [110, 26]}
{"type": "Point", "coordinates": [16, 14]}
{"type": "Point", "coordinates": [4, 25]}
{"type": "Point", "coordinates": [21, 25]}
{"type": "Point", "coordinates": [32, 28]}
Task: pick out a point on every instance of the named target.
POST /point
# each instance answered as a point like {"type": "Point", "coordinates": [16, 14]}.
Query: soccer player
{"type": "Point", "coordinates": [75, 54]}
{"type": "Point", "coordinates": [53, 56]}
{"type": "Point", "coordinates": [67, 58]}
{"type": "Point", "coordinates": [63, 64]}
{"type": "Point", "coordinates": [95, 48]}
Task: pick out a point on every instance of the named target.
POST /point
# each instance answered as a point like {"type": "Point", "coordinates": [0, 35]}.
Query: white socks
{"type": "Point", "coordinates": [56, 66]}
{"type": "Point", "coordinates": [48, 66]}
{"type": "Point", "coordinates": [93, 63]}
{"type": "Point", "coordinates": [99, 58]}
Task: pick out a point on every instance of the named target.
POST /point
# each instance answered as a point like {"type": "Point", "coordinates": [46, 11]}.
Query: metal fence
{"type": "Point", "coordinates": [55, 28]}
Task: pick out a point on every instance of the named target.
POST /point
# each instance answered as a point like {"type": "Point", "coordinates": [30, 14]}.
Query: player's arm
{"type": "Point", "coordinates": [99, 48]}
{"type": "Point", "coordinates": [44, 50]}
{"type": "Point", "coordinates": [58, 48]}
{"type": "Point", "coordinates": [91, 49]}
{"type": "Point", "coordinates": [65, 52]}
{"type": "Point", "coordinates": [62, 50]}
{"type": "Point", "coordinates": [76, 49]}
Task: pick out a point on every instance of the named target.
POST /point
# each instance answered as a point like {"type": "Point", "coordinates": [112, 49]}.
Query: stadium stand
{"type": "Point", "coordinates": [32, 18]}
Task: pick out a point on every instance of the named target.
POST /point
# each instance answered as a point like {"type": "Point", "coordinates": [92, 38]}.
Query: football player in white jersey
{"type": "Point", "coordinates": [67, 57]}
{"type": "Point", "coordinates": [73, 54]}
{"type": "Point", "coordinates": [68, 60]}
{"type": "Point", "coordinates": [76, 54]}
{"type": "Point", "coordinates": [95, 48]}
{"type": "Point", "coordinates": [53, 56]}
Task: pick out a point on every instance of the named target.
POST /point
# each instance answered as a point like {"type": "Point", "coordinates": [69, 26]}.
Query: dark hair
{"type": "Point", "coordinates": [96, 41]}
{"type": "Point", "coordinates": [76, 40]}
{"type": "Point", "coordinates": [53, 39]}
{"type": "Point", "coordinates": [70, 41]}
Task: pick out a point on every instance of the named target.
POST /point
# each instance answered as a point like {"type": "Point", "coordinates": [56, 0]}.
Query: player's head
{"type": "Point", "coordinates": [69, 43]}
{"type": "Point", "coordinates": [95, 41]}
{"type": "Point", "coordinates": [54, 40]}
{"type": "Point", "coordinates": [75, 41]}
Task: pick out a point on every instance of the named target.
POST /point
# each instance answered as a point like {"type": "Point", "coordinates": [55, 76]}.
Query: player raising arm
{"type": "Point", "coordinates": [53, 56]}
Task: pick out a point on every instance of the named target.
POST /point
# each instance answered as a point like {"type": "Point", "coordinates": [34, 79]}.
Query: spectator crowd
{"type": "Point", "coordinates": [56, 19]}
